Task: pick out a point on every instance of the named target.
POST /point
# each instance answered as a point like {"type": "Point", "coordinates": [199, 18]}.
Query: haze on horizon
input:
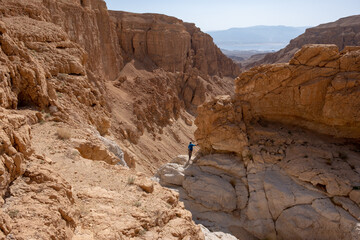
{"type": "Point", "coordinates": [212, 15]}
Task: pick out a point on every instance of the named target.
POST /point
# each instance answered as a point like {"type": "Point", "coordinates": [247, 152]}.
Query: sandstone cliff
{"type": "Point", "coordinates": [318, 89]}
{"type": "Point", "coordinates": [280, 159]}
{"type": "Point", "coordinates": [343, 32]}
{"type": "Point", "coordinates": [169, 43]}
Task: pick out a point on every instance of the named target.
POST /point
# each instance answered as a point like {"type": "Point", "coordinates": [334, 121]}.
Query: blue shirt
{"type": "Point", "coordinates": [190, 147]}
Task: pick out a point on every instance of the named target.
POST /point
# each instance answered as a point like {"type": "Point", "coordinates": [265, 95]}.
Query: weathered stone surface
{"type": "Point", "coordinates": [48, 69]}
{"type": "Point", "coordinates": [220, 114]}
{"type": "Point", "coordinates": [15, 148]}
{"type": "Point", "coordinates": [295, 183]}
{"type": "Point", "coordinates": [170, 44]}
{"type": "Point", "coordinates": [302, 222]}
{"type": "Point", "coordinates": [145, 184]}
{"type": "Point", "coordinates": [282, 192]}
{"type": "Point", "coordinates": [216, 235]}
{"type": "Point", "coordinates": [171, 173]}
{"type": "Point", "coordinates": [97, 151]}
{"type": "Point", "coordinates": [211, 191]}
{"type": "Point", "coordinates": [268, 198]}
{"type": "Point", "coordinates": [313, 91]}
{"type": "Point", "coordinates": [181, 159]}
{"type": "Point", "coordinates": [229, 164]}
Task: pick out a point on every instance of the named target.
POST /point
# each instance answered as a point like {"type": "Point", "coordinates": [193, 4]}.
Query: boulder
{"type": "Point", "coordinates": [221, 114]}
{"type": "Point", "coordinates": [171, 173]}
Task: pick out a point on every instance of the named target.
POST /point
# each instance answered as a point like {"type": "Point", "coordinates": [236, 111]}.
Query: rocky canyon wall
{"type": "Point", "coordinates": [318, 89]}
{"type": "Point", "coordinates": [280, 159]}
{"type": "Point", "coordinates": [88, 24]}
{"type": "Point", "coordinates": [169, 43]}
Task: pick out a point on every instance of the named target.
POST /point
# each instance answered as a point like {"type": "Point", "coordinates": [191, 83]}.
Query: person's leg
{"type": "Point", "coordinates": [188, 161]}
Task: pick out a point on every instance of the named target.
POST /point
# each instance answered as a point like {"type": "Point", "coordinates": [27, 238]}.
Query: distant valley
{"type": "Point", "coordinates": [258, 38]}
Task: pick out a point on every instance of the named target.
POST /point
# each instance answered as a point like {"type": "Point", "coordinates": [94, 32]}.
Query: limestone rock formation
{"type": "Point", "coordinates": [343, 32]}
{"type": "Point", "coordinates": [220, 126]}
{"type": "Point", "coordinates": [61, 66]}
{"type": "Point", "coordinates": [42, 67]}
{"type": "Point", "coordinates": [93, 31]}
{"type": "Point", "coordinates": [289, 186]}
{"type": "Point", "coordinates": [192, 61]}
{"type": "Point", "coordinates": [280, 159]}
{"type": "Point", "coordinates": [318, 90]}
{"type": "Point", "coordinates": [34, 199]}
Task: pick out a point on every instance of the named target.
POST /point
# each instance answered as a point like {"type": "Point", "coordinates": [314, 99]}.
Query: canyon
{"type": "Point", "coordinates": [93, 103]}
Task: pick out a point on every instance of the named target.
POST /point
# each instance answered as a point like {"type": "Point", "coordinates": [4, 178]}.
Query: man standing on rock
{"type": "Point", "coordinates": [190, 147]}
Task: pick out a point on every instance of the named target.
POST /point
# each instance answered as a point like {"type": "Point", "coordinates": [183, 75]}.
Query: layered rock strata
{"type": "Point", "coordinates": [41, 67]}
{"type": "Point", "coordinates": [169, 43]}
{"type": "Point", "coordinates": [318, 89]}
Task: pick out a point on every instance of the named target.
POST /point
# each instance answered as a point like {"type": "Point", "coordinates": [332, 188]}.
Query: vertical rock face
{"type": "Point", "coordinates": [169, 43]}
{"type": "Point", "coordinates": [88, 24]}
{"type": "Point", "coordinates": [41, 67]}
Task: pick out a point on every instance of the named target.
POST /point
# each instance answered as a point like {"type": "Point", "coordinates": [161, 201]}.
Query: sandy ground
{"type": "Point", "coordinates": [109, 202]}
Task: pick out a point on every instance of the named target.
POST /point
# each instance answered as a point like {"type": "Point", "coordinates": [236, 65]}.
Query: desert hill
{"type": "Point", "coordinates": [343, 32]}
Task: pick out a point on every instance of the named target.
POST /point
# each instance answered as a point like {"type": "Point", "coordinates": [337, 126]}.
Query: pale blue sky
{"type": "Point", "coordinates": [224, 14]}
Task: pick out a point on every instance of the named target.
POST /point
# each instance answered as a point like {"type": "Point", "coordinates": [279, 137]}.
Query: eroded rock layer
{"type": "Point", "coordinates": [268, 180]}
{"type": "Point", "coordinates": [318, 89]}
{"type": "Point", "coordinates": [171, 44]}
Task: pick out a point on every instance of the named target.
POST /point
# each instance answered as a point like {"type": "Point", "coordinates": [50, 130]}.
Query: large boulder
{"type": "Point", "coordinates": [220, 126]}
{"type": "Point", "coordinates": [318, 90]}
{"type": "Point", "coordinates": [171, 173]}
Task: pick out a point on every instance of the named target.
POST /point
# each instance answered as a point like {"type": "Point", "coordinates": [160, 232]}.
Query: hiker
{"type": "Point", "coordinates": [190, 147]}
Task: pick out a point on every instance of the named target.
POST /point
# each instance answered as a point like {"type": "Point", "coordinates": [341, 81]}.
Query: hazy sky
{"type": "Point", "coordinates": [224, 14]}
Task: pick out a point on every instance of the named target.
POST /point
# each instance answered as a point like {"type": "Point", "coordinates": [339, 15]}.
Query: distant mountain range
{"type": "Point", "coordinates": [259, 38]}
{"type": "Point", "coordinates": [343, 32]}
